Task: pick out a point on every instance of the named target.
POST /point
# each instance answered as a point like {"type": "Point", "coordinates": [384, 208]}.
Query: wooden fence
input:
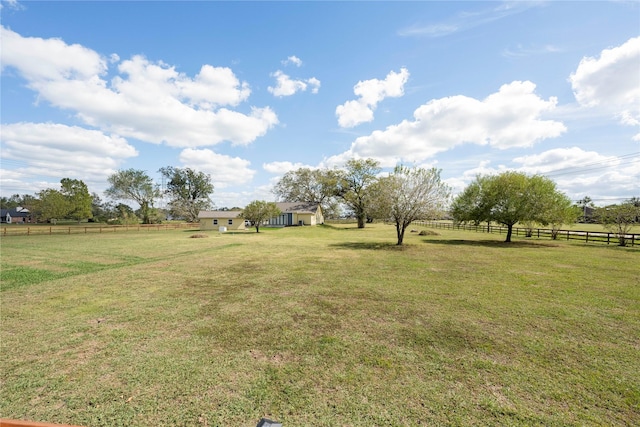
{"type": "Point", "coordinates": [22, 230]}
{"type": "Point", "coordinates": [584, 236]}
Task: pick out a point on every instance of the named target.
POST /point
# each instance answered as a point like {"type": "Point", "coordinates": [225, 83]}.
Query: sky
{"type": "Point", "coordinates": [246, 91]}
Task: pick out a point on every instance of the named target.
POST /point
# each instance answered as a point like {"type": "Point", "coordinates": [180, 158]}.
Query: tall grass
{"type": "Point", "coordinates": [323, 325]}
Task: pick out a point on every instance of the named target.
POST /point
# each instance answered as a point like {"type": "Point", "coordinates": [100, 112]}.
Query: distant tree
{"type": "Point", "coordinates": [352, 186]}
{"type": "Point", "coordinates": [559, 212]}
{"type": "Point", "coordinates": [124, 214]}
{"type": "Point", "coordinates": [619, 219]}
{"type": "Point", "coordinates": [189, 192]}
{"type": "Point", "coordinates": [52, 205]}
{"type": "Point", "coordinates": [507, 198]}
{"type": "Point", "coordinates": [474, 203]}
{"type": "Point", "coordinates": [408, 194]}
{"type": "Point", "coordinates": [259, 211]}
{"type": "Point", "coordinates": [11, 202]}
{"type": "Point", "coordinates": [309, 185]}
{"type": "Point", "coordinates": [101, 211]}
{"type": "Point", "coordinates": [134, 185]}
{"type": "Point", "coordinates": [78, 198]}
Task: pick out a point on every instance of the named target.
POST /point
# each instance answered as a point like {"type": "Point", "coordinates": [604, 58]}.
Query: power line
{"type": "Point", "coordinates": [598, 165]}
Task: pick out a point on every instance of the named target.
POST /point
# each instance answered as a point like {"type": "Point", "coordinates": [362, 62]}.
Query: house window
{"type": "Point", "coordinates": [230, 222]}
{"type": "Point", "coordinates": [215, 222]}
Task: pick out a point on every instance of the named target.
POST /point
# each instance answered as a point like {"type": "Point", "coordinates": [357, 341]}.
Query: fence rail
{"type": "Point", "coordinates": [584, 236]}
{"type": "Point", "coordinates": [22, 230]}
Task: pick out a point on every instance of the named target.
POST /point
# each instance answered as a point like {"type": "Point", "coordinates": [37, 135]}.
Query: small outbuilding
{"type": "Point", "coordinates": [221, 220]}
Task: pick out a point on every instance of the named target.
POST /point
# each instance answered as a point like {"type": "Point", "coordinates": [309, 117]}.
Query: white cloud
{"type": "Point", "coordinates": [370, 93]}
{"type": "Point", "coordinates": [148, 101]}
{"type": "Point", "coordinates": [225, 170]}
{"type": "Point", "coordinates": [286, 86]}
{"type": "Point", "coordinates": [611, 82]}
{"type": "Point", "coordinates": [574, 170]}
{"type": "Point", "coordinates": [47, 149]}
{"type": "Point", "coordinates": [293, 60]}
{"type": "Point", "coordinates": [505, 119]}
{"type": "Point", "coordinates": [283, 167]}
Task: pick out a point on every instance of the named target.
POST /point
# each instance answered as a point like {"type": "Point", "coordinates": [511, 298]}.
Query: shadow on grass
{"type": "Point", "coordinates": [369, 246]}
{"type": "Point", "coordinates": [341, 227]}
{"type": "Point", "coordinates": [492, 243]}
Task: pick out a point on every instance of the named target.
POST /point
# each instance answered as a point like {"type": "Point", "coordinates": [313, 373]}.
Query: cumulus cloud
{"type": "Point", "coordinates": [150, 101]}
{"type": "Point", "coordinates": [225, 170]}
{"type": "Point", "coordinates": [293, 60]}
{"type": "Point", "coordinates": [48, 149]}
{"type": "Point", "coordinates": [611, 82]}
{"type": "Point", "coordinates": [573, 169]}
{"type": "Point", "coordinates": [508, 118]}
{"type": "Point", "coordinates": [370, 93]}
{"type": "Point", "coordinates": [286, 86]}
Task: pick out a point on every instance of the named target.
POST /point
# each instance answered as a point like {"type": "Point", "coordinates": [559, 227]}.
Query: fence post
{"type": "Point", "coordinates": [587, 238]}
{"type": "Point", "coordinates": [567, 234]}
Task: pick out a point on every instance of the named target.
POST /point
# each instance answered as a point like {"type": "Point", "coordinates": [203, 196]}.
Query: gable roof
{"type": "Point", "coordinates": [15, 212]}
{"type": "Point", "coordinates": [298, 207]}
{"type": "Point", "coordinates": [219, 214]}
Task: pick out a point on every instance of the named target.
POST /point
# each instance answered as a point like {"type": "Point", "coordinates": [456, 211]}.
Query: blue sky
{"type": "Point", "coordinates": [246, 91]}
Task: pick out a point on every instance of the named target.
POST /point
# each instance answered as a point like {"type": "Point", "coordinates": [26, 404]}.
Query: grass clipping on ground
{"type": "Point", "coordinates": [318, 326]}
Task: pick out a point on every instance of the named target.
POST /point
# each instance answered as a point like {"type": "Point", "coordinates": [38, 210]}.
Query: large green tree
{"type": "Point", "coordinates": [508, 198]}
{"type": "Point", "coordinates": [353, 186]}
{"type": "Point", "coordinates": [408, 194]}
{"type": "Point", "coordinates": [188, 191]}
{"type": "Point", "coordinates": [78, 198]}
{"type": "Point", "coordinates": [259, 211]}
{"type": "Point", "coordinates": [309, 185]}
{"type": "Point", "coordinates": [134, 185]}
{"type": "Point", "coordinates": [52, 205]}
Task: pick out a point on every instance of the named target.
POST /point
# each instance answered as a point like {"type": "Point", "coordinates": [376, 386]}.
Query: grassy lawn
{"type": "Point", "coordinates": [324, 326]}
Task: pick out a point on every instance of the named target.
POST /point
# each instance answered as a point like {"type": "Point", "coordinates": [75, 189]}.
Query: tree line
{"type": "Point", "coordinates": [358, 190]}
{"type": "Point", "coordinates": [188, 192]}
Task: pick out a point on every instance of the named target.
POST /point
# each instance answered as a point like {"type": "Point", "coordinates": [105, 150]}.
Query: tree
{"type": "Point", "coordinates": [123, 214]}
{"type": "Point", "coordinates": [101, 211]}
{"type": "Point", "coordinates": [259, 211]}
{"type": "Point", "coordinates": [135, 185]}
{"type": "Point", "coordinates": [352, 186]}
{"type": "Point", "coordinates": [508, 198]}
{"type": "Point", "coordinates": [52, 205]}
{"type": "Point", "coordinates": [189, 192]}
{"type": "Point", "coordinates": [408, 194]}
{"type": "Point", "coordinates": [560, 211]}
{"type": "Point", "coordinates": [78, 198]}
{"type": "Point", "coordinates": [309, 185]}
{"type": "Point", "coordinates": [473, 204]}
{"type": "Point", "coordinates": [619, 219]}
{"type": "Point", "coordinates": [10, 202]}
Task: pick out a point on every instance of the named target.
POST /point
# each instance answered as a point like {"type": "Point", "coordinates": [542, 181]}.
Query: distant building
{"type": "Point", "coordinates": [17, 215]}
{"type": "Point", "coordinates": [221, 220]}
{"type": "Point", "coordinates": [297, 213]}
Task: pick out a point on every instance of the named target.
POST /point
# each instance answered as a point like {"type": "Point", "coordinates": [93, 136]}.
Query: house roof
{"type": "Point", "coordinates": [15, 212]}
{"type": "Point", "coordinates": [298, 207]}
{"type": "Point", "coordinates": [219, 214]}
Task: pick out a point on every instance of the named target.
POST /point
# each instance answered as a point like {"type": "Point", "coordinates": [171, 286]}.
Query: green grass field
{"type": "Point", "coordinates": [323, 326]}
